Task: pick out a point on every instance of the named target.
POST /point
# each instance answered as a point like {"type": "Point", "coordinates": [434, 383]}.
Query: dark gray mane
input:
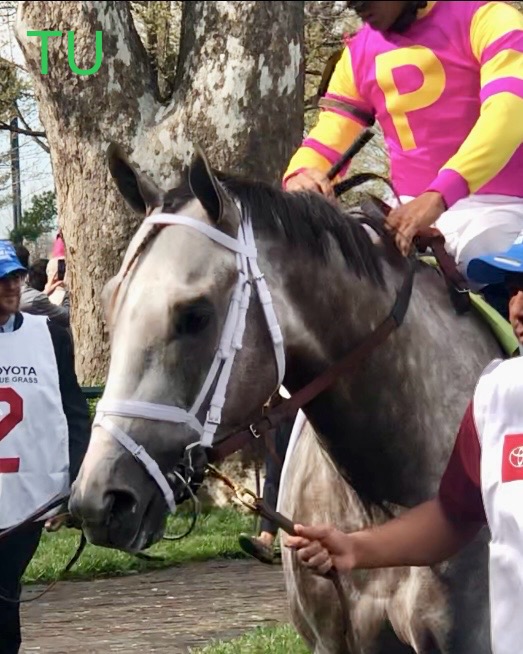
{"type": "Point", "coordinates": [304, 220]}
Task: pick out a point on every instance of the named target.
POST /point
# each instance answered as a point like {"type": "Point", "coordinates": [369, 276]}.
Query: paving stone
{"type": "Point", "coordinates": [170, 610]}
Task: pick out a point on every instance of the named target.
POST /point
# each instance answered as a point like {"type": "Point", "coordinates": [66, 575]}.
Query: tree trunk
{"type": "Point", "coordinates": [239, 93]}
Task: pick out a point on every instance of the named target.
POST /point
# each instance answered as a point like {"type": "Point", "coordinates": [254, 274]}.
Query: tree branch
{"type": "Point", "coordinates": [20, 130]}
{"type": "Point", "coordinates": [13, 64]}
{"type": "Point", "coordinates": [44, 147]}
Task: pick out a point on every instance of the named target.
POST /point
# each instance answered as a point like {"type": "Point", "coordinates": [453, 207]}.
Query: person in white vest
{"type": "Point", "coordinates": [44, 433]}
{"type": "Point", "coordinates": [482, 484]}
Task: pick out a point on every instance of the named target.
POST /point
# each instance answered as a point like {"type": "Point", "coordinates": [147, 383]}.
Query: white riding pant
{"type": "Point", "coordinates": [479, 225]}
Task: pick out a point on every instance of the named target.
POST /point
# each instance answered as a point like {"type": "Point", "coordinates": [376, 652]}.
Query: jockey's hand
{"type": "Point", "coordinates": [311, 179]}
{"type": "Point", "coordinates": [413, 218]}
{"type": "Point", "coordinates": [321, 548]}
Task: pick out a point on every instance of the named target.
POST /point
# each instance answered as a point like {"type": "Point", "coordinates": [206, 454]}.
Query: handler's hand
{"type": "Point", "coordinates": [311, 179]}
{"type": "Point", "coordinates": [322, 548]}
{"type": "Point", "coordinates": [413, 218]}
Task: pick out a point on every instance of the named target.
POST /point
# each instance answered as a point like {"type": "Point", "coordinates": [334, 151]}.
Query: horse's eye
{"type": "Point", "coordinates": [193, 318]}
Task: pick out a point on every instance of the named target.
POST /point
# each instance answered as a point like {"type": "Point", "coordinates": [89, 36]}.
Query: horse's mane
{"type": "Point", "coordinates": [303, 219]}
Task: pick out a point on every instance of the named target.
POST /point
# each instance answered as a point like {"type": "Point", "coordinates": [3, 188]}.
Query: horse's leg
{"type": "Point", "coordinates": [314, 609]}
{"type": "Point", "coordinates": [298, 616]}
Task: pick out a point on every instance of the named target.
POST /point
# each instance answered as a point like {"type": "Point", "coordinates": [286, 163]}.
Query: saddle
{"type": "Point", "coordinates": [430, 243]}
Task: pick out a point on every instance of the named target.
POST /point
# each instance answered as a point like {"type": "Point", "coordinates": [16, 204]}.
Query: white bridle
{"type": "Point", "coordinates": [220, 371]}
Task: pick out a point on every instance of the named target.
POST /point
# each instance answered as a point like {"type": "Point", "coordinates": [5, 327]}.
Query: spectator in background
{"type": "Point", "coordinates": [56, 270]}
{"type": "Point", "coordinates": [261, 547]}
{"type": "Point", "coordinates": [45, 446]}
{"type": "Point", "coordinates": [56, 289]}
{"type": "Point", "coordinates": [37, 277]}
{"type": "Point", "coordinates": [58, 246]}
{"type": "Point", "coordinates": [36, 301]}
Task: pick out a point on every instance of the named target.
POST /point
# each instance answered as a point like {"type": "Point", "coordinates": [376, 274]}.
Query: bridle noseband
{"type": "Point", "coordinates": [205, 415]}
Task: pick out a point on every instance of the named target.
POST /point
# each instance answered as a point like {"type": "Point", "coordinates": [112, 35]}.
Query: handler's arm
{"type": "Point", "coordinates": [430, 533]}
{"type": "Point", "coordinates": [423, 536]}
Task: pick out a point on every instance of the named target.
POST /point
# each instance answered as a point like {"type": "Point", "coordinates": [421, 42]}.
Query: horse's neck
{"type": "Point", "coordinates": [328, 311]}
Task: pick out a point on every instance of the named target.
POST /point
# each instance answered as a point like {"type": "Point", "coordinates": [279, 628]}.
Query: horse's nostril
{"type": "Point", "coordinates": [122, 502]}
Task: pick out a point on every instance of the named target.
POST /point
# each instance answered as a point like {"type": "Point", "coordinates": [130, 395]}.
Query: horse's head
{"type": "Point", "coordinates": [171, 308]}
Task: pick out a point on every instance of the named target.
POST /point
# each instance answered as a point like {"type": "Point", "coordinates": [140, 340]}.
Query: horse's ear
{"type": "Point", "coordinates": [208, 190]}
{"type": "Point", "coordinates": [138, 190]}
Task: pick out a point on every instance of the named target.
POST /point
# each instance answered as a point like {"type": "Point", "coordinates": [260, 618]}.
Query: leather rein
{"type": "Point", "coordinates": [273, 416]}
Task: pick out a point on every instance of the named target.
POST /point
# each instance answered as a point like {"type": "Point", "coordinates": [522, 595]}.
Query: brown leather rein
{"type": "Point", "coordinates": [273, 416]}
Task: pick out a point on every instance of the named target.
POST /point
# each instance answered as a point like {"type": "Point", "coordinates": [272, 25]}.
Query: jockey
{"type": "Point", "coordinates": [44, 433]}
{"type": "Point", "coordinates": [445, 82]}
{"type": "Point", "coordinates": [482, 485]}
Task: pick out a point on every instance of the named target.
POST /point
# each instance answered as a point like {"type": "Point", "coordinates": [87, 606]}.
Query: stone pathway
{"type": "Point", "coordinates": [170, 610]}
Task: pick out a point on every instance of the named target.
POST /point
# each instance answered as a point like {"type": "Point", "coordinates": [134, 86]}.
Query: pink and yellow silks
{"type": "Point", "coordinates": [448, 94]}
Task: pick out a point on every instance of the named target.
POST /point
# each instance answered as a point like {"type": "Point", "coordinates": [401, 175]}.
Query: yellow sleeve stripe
{"type": "Point", "coordinates": [507, 63]}
{"type": "Point", "coordinates": [336, 129]}
{"type": "Point", "coordinates": [307, 157]}
{"type": "Point", "coordinates": [479, 161]}
{"type": "Point", "coordinates": [495, 21]}
{"type": "Point", "coordinates": [343, 82]}
{"type": "Point", "coordinates": [330, 137]}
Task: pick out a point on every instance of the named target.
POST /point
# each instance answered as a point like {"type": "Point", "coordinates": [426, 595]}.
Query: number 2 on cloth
{"type": "Point", "coordinates": [8, 423]}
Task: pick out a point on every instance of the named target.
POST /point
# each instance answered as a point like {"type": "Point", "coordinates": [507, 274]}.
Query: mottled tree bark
{"type": "Point", "coordinates": [239, 93]}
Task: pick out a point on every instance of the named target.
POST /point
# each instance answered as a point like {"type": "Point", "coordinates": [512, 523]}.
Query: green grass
{"type": "Point", "coordinates": [215, 536]}
{"type": "Point", "coordinates": [282, 639]}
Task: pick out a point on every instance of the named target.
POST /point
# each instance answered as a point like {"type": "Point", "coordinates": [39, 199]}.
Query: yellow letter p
{"type": "Point", "coordinates": [400, 104]}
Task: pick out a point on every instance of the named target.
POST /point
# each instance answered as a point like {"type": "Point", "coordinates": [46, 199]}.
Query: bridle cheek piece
{"type": "Point", "coordinates": [205, 415]}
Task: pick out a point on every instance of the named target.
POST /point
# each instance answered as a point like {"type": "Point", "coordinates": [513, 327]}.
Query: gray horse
{"type": "Point", "coordinates": [376, 442]}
